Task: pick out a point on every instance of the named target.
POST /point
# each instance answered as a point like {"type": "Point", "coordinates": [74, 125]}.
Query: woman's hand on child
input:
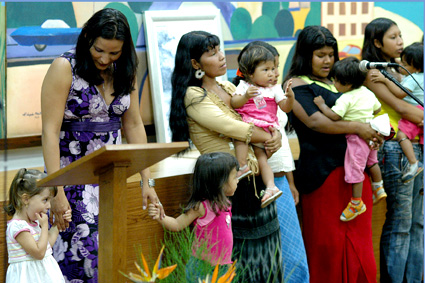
{"type": "Point", "coordinates": [275, 143]}
{"type": "Point", "coordinates": [59, 205]}
{"type": "Point", "coordinates": [251, 92]}
{"type": "Point", "coordinates": [154, 211]}
{"type": "Point", "coordinates": [369, 135]}
{"type": "Point", "coordinates": [67, 215]}
{"type": "Point", "coordinates": [149, 193]}
{"type": "Point", "coordinates": [42, 218]}
{"type": "Point", "coordinates": [374, 145]}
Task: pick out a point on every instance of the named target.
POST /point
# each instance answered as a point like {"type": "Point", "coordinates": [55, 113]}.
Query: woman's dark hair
{"type": "Point", "coordinates": [191, 46]}
{"type": "Point", "coordinates": [210, 175]}
{"type": "Point", "coordinates": [269, 47]}
{"type": "Point", "coordinates": [414, 55]}
{"type": "Point", "coordinates": [376, 29]}
{"type": "Point", "coordinates": [108, 24]}
{"type": "Point", "coordinates": [347, 72]}
{"type": "Point", "coordinates": [25, 182]}
{"type": "Point", "coordinates": [310, 39]}
{"type": "Point", "coordinates": [251, 58]}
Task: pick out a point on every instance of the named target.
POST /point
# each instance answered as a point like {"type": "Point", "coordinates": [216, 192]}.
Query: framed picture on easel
{"type": "Point", "coordinates": [163, 30]}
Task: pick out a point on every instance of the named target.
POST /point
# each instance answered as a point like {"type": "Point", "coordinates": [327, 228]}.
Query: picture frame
{"type": "Point", "coordinates": [163, 30]}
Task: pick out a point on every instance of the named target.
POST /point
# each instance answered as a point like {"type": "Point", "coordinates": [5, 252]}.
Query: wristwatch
{"type": "Point", "coordinates": [151, 183]}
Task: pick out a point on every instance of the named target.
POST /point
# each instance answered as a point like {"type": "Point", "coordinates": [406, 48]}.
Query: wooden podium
{"type": "Point", "coordinates": [110, 166]}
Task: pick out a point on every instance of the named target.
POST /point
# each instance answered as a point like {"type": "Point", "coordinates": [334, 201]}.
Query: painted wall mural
{"type": "Point", "coordinates": [33, 40]}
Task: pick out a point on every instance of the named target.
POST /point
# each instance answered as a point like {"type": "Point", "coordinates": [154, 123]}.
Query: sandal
{"type": "Point", "coordinates": [243, 172]}
{"type": "Point", "coordinates": [272, 193]}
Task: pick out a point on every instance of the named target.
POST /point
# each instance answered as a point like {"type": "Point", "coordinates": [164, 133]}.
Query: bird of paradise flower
{"type": "Point", "coordinates": [146, 276]}
{"type": "Point", "coordinates": [226, 278]}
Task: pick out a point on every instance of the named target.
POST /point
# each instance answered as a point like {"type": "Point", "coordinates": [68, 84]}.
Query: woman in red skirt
{"type": "Point", "coordinates": [337, 251]}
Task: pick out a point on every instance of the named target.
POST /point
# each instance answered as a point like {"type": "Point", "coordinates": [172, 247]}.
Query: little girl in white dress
{"type": "Point", "coordinates": [29, 241]}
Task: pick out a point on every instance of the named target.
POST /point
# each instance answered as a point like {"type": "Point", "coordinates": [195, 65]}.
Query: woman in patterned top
{"type": "Point", "coordinates": [88, 93]}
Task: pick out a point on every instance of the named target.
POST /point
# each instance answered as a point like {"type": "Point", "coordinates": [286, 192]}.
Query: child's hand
{"type": "Point", "coordinates": [42, 219]}
{"type": "Point", "coordinates": [67, 215]}
{"type": "Point", "coordinates": [318, 100]}
{"type": "Point", "coordinates": [288, 90]}
{"type": "Point", "coordinates": [377, 77]}
{"type": "Point", "coordinates": [153, 211]}
{"type": "Point", "coordinates": [251, 92]}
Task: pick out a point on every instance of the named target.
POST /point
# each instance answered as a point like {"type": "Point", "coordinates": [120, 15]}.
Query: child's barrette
{"type": "Point", "coordinates": [239, 73]}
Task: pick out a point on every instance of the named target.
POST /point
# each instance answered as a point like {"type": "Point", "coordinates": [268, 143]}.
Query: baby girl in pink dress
{"type": "Point", "coordinates": [256, 99]}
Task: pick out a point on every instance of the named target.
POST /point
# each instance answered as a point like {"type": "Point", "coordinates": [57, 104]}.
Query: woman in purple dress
{"type": "Point", "coordinates": [88, 93]}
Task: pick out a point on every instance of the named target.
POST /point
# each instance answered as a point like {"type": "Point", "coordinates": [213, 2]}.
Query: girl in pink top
{"type": "Point", "coordinates": [256, 99]}
{"type": "Point", "coordinates": [29, 241]}
{"type": "Point", "coordinates": [214, 180]}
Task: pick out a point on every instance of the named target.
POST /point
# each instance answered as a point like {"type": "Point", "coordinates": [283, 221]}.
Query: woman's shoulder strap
{"type": "Point", "coordinates": [69, 55]}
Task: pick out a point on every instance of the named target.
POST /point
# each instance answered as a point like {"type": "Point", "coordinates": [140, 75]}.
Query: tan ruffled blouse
{"type": "Point", "coordinates": [213, 124]}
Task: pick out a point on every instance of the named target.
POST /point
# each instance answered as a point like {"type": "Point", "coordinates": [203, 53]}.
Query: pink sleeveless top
{"type": "Point", "coordinates": [214, 235]}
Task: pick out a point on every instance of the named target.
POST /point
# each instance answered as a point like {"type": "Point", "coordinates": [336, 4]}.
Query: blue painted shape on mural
{"type": "Point", "coordinates": [413, 11]}
{"type": "Point", "coordinates": [164, 6]}
{"type": "Point", "coordinates": [231, 73]}
{"type": "Point", "coordinates": [141, 42]}
{"type": "Point", "coordinates": [226, 10]}
{"type": "Point", "coordinates": [49, 36]}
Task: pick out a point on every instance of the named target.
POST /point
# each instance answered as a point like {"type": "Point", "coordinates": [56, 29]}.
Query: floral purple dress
{"type": "Point", "coordinates": [88, 124]}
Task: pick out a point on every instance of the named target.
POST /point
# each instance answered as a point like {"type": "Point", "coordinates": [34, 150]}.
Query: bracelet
{"type": "Point", "coordinates": [151, 183]}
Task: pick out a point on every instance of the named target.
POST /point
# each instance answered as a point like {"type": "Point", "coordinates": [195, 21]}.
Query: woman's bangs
{"type": "Point", "coordinates": [211, 42]}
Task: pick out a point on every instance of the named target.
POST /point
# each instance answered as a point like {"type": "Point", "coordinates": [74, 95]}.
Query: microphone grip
{"type": "Point", "coordinates": [391, 78]}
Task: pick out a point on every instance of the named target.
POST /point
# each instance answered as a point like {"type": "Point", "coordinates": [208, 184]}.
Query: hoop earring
{"type": "Point", "coordinates": [199, 74]}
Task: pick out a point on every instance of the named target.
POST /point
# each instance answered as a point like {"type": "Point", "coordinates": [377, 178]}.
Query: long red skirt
{"type": "Point", "coordinates": [338, 251]}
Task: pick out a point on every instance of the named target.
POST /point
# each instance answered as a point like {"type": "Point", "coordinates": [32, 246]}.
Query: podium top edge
{"type": "Point", "coordinates": [182, 145]}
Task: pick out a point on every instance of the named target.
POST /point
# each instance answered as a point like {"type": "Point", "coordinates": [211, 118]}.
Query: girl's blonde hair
{"type": "Point", "coordinates": [25, 182]}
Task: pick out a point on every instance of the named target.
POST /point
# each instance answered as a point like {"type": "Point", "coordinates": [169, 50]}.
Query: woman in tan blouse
{"type": "Point", "coordinates": [201, 113]}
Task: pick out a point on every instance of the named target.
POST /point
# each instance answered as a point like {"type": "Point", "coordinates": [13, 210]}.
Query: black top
{"type": "Point", "coordinates": [320, 153]}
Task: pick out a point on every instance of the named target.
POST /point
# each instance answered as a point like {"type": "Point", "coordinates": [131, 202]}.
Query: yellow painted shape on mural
{"type": "Point", "coordinates": [254, 8]}
{"type": "Point", "coordinates": [24, 85]}
{"type": "Point", "coordinates": [82, 11]}
{"type": "Point", "coordinates": [299, 18]}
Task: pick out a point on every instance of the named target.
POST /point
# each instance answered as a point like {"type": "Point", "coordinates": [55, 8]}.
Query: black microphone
{"type": "Point", "coordinates": [366, 65]}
